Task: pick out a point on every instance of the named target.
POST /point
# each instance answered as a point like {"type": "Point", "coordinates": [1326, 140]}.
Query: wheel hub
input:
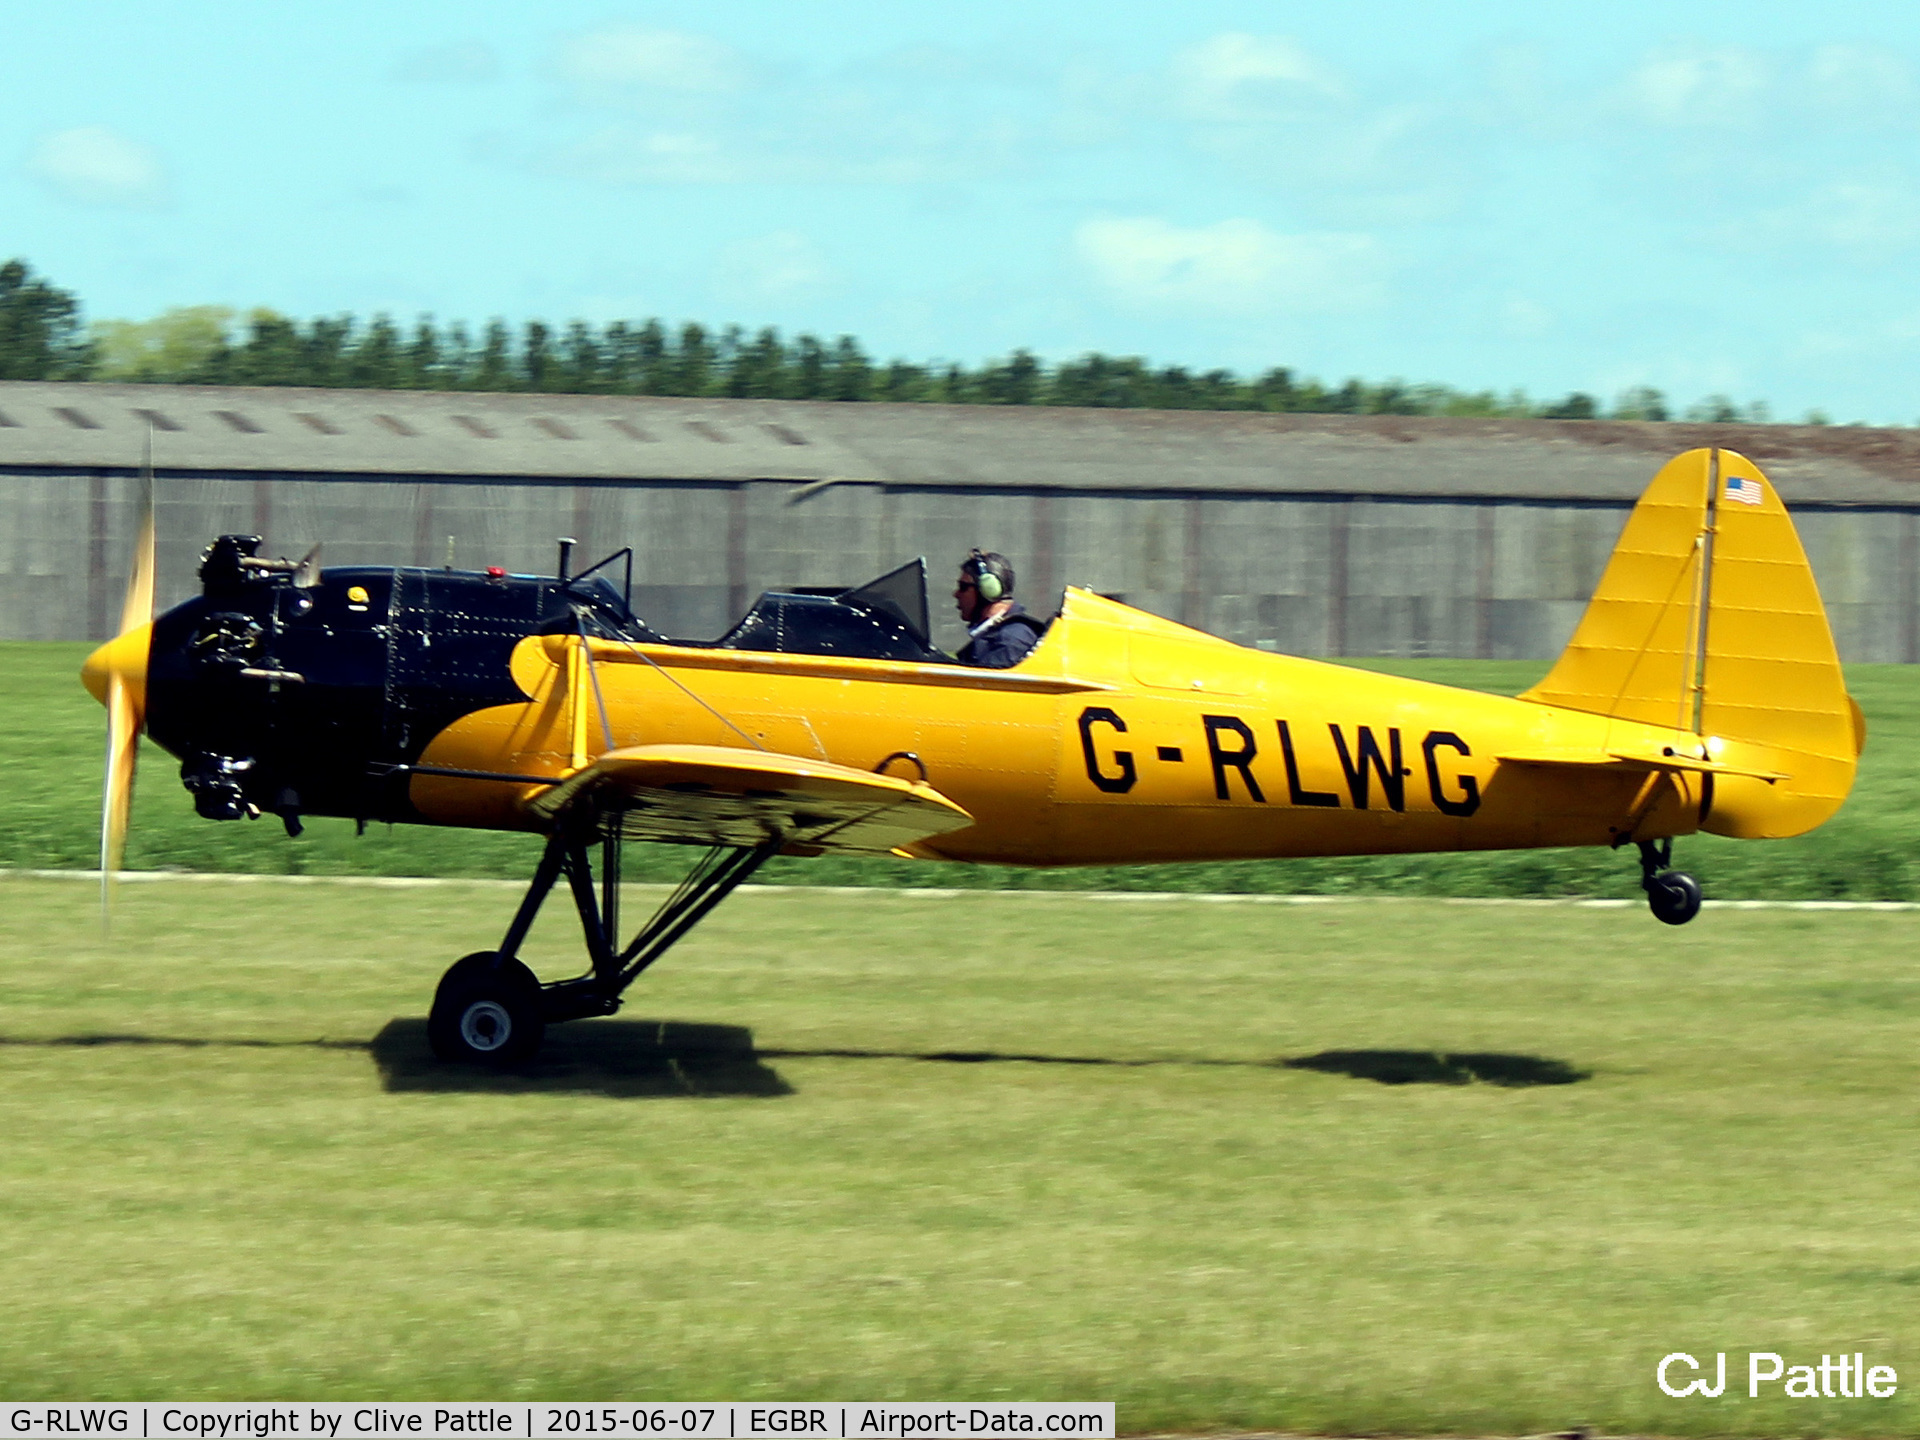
{"type": "Point", "coordinates": [486, 1026]}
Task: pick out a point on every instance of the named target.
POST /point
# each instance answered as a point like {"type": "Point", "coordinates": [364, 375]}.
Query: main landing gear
{"type": "Point", "coordinates": [1672, 895]}
{"type": "Point", "coordinates": [491, 1009]}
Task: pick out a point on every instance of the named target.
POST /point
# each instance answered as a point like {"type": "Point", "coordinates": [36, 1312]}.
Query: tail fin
{"type": "Point", "coordinates": [1708, 620]}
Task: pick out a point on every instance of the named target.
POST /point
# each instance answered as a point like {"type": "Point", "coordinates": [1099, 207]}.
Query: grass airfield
{"type": "Point", "coordinates": [1379, 1166]}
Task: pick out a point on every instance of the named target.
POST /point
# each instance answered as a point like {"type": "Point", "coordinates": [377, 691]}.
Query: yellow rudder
{"type": "Point", "coordinates": [1708, 620]}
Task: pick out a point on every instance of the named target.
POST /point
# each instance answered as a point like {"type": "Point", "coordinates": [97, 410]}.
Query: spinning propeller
{"type": "Point", "coordinates": [116, 673]}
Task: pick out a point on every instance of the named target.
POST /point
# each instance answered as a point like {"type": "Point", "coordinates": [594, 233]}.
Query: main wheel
{"type": "Point", "coordinates": [1674, 897]}
{"type": "Point", "coordinates": [488, 1011]}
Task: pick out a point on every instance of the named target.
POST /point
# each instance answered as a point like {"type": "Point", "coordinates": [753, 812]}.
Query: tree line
{"type": "Point", "coordinates": [42, 337]}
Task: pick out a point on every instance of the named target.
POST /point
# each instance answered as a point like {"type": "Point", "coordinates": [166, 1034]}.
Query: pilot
{"type": "Point", "coordinates": [999, 630]}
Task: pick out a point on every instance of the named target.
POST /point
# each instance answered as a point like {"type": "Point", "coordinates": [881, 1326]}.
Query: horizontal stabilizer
{"type": "Point", "coordinates": [1628, 760]}
{"type": "Point", "coordinates": [713, 795]}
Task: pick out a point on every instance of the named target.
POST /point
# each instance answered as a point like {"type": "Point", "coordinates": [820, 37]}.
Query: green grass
{"type": "Point", "coordinates": [230, 1171]}
{"type": "Point", "coordinates": [51, 730]}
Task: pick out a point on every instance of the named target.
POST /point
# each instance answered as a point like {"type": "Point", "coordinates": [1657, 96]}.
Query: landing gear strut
{"type": "Point", "coordinates": [491, 1009]}
{"type": "Point", "coordinates": [1672, 895]}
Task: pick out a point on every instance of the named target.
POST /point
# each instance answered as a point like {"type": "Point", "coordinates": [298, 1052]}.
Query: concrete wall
{"type": "Point", "coordinates": [1312, 574]}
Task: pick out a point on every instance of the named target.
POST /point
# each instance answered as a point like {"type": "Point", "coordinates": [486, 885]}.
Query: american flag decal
{"type": "Point", "coordinates": [1747, 492]}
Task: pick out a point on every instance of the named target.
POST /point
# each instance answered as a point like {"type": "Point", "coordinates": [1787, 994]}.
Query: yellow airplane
{"type": "Point", "coordinates": [1701, 691]}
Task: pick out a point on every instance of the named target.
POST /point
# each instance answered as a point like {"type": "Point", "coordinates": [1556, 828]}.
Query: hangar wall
{"type": "Point", "coordinates": [1378, 562]}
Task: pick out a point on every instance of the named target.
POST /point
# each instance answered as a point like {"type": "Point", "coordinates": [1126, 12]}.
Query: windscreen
{"type": "Point", "coordinates": [900, 593]}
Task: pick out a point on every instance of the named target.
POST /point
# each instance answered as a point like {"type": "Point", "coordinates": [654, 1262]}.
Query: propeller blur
{"type": "Point", "coordinates": [116, 674]}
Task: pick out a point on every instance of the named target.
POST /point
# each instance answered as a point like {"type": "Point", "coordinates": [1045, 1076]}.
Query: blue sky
{"type": "Point", "coordinates": [1705, 198]}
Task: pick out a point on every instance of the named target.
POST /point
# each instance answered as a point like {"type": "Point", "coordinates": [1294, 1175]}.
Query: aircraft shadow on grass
{"type": "Point", "coordinates": [624, 1059]}
{"type": "Point", "coordinates": [645, 1059]}
{"type": "Point", "coordinates": [1433, 1067]}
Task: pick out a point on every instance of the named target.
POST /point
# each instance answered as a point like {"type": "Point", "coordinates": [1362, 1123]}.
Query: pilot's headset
{"type": "Point", "coordinates": [992, 575]}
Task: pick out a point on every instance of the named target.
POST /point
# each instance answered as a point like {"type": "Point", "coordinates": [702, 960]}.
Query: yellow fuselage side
{"type": "Point", "coordinates": [1122, 738]}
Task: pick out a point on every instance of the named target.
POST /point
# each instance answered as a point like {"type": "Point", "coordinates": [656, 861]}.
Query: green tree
{"type": "Point", "coordinates": [1577, 406]}
{"type": "Point", "coordinates": [807, 369]}
{"type": "Point", "coordinates": [538, 365]}
{"type": "Point", "coordinates": [1102, 381]}
{"type": "Point", "coordinates": [758, 368]}
{"type": "Point", "coordinates": [616, 359]}
{"type": "Point", "coordinates": [458, 357]}
{"type": "Point", "coordinates": [272, 353]}
{"type": "Point", "coordinates": [1017, 381]}
{"type": "Point", "coordinates": [325, 344]}
{"type": "Point", "coordinates": [1714, 410]}
{"type": "Point", "coordinates": [1393, 398]}
{"type": "Point", "coordinates": [423, 367]}
{"type": "Point", "coordinates": [582, 366]}
{"type": "Point", "coordinates": [653, 359]}
{"type": "Point", "coordinates": [174, 346]}
{"type": "Point", "coordinates": [849, 373]}
{"type": "Point", "coordinates": [39, 337]}
{"type": "Point", "coordinates": [903, 383]}
{"type": "Point", "coordinates": [1643, 402]}
{"type": "Point", "coordinates": [1173, 388]}
{"type": "Point", "coordinates": [1274, 390]}
{"type": "Point", "coordinates": [1443, 400]}
{"type": "Point", "coordinates": [1220, 390]}
{"type": "Point", "coordinates": [693, 362]}
{"type": "Point", "coordinates": [374, 363]}
{"type": "Point", "coordinates": [40, 334]}
{"type": "Point", "coordinates": [1349, 399]}
{"type": "Point", "coordinates": [494, 369]}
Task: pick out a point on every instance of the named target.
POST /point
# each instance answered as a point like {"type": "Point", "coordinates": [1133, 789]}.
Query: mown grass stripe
{"type": "Point", "coordinates": [881, 892]}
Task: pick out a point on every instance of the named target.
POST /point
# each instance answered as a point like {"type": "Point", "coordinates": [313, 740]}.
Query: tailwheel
{"type": "Point", "coordinates": [1672, 895]}
{"type": "Point", "coordinates": [488, 1011]}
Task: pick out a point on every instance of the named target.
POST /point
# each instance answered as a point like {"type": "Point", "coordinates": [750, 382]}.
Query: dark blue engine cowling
{"type": "Point", "coordinates": [308, 699]}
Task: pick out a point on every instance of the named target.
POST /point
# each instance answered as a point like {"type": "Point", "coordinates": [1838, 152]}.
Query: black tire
{"type": "Point", "coordinates": [487, 1011]}
{"type": "Point", "coordinates": [1674, 897]}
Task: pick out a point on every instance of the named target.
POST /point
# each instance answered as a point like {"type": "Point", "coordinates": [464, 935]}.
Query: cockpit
{"type": "Point", "coordinates": [884, 619]}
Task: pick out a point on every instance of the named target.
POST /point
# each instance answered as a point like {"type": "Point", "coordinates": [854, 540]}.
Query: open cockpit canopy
{"type": "Point", "coordinates": [884, 619]}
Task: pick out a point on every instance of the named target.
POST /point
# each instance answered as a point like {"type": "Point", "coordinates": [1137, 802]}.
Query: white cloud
{"type": "Point", "coordinates": [780, 266]}
{"type": "Point", "coordinates": [1857, 79]}
{"type": "Point", "coordinates": [688, 109]}
{"type": "Point", "coordinates": [1239, 76]}
{"type": "Point", "coordinates": [466, 62]}
{"type": "Point", "coordinates": [93, 165]}
{"type": "Point", "coordinates": [1524, 318]}
{"type": "Point", "coordinates": [1870, 217]}
{"type": "Point", "coordinates": [619, 61]}
{"type": "Point", "coordinates": [738, 155]}
{"type": "Point", "coordinates": [1695, 86]}
{"type": "Point", "coordinates": [1235, 265]}
{"type": "Point", "coordinates": [658, 157]}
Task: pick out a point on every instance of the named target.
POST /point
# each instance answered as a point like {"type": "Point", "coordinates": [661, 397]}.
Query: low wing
{"type": "Point", "coordinates": [1632, 760]}
{"type": "Point", "coordinates": [712, 795]}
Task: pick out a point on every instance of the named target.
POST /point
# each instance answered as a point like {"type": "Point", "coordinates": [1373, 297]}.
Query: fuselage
{"type": "Point", "coordinates": [1122, 738]}
{"type": "Point", "coordinates": [451, 698]}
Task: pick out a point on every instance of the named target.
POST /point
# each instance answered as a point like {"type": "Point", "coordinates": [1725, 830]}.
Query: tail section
{"type": "Point", "coordinates": [1708, 620]}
